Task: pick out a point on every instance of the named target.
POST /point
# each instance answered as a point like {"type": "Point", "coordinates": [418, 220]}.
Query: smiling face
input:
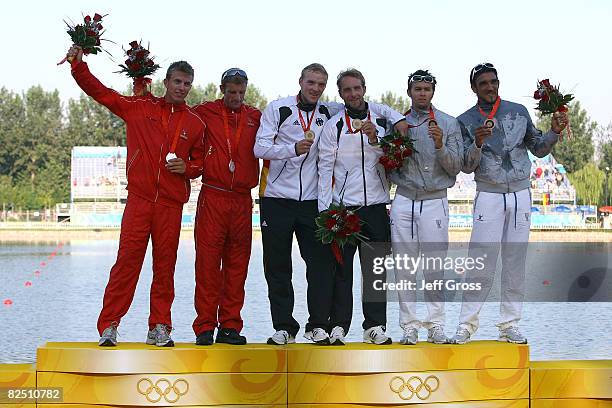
{"type": "Point", "coordinates": [486, 87]}
{"type": "Point", "coordinates": [421, 93]}
{"type": "Point", "coordinates": [177, 86]}
{"type": "Point", "coordinates": [312, 85]}
{"type": "Point", "coordinates": [351, 91]}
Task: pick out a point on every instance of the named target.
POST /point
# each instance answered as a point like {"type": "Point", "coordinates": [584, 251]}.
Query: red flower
{"type": "Point", "coordinates": [398, 155]}
{"type": "Point", "coordinates": [87, 19]}
{"type": "Point", "coordinates": [545, 97]}
{"type": "Point", "coordinates": [330, 223]}
{"type": "Point", "coordinates": [90, 33]}
{"type": "Point", "coordinates": [398, 142]}
{"type": "Point", "coordinates": [98, 41]}
{"type": "Point", "coordinates": [99, 27]}
{"type": "Point", "coordinates": [563, 108]}
{"type": "Point", "coordinates": [333, 212]}
{"type": "Point", "coordinates": [128, 62]}
{"type": "Point", "coordinates": [135, 67]}
{"type": "Point", "coordinates": [536, 95]}
{"type": "Point", "coordinates": [150, 63]}
{"type": "Point", "coordinates": [134, 44]}
{"type": "Point", "coordinates": [546, 83]}
{"type": "Point", "coordinates": [97, 17]}
{"type": "Point", "coordinates": [406, 153]}
{"type": "Point", "coordinates": [141, 54]}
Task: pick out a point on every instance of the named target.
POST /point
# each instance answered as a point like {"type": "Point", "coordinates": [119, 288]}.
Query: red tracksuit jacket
{"type": "Point", "coordinates": [216, 157]}
{"type": "Point", "coordinates": [149, 140]}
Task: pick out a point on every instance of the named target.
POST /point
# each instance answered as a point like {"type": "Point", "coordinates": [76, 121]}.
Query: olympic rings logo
{"type": "Point", "coordinates": [414, 386]}
{"type": "Point", "coordinates": [162, 388]}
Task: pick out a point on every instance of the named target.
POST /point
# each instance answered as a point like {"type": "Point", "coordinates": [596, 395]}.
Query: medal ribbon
{"type": "Point", "coordinates": [305, 127]}
{"type": "Point", "coordinates": [348, 121]}
{"type": "Point", "coordinates": [431, 115]}
{"type": "Point", "coordinates": [166, 126]}
{"type": "Point", "coordinates": [493, 111]}
{"type": "Point", "coordinates": [241, 122]}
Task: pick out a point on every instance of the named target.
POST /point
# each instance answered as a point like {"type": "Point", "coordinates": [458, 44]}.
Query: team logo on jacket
{"type": "Point", "coordinates": [439, 224]}
{"type": "Point", "coordinates": [184, 135]}
{"type": "Point", "coordinates": [296, 123]}
{"type": "Point", "coordinates": [250, 123]}
{"type": "Point", "coordinates": [319, 122]}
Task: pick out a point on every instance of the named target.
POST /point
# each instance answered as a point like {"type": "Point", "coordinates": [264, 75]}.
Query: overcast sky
{"type": "Point", "coordinates": [567, 41]}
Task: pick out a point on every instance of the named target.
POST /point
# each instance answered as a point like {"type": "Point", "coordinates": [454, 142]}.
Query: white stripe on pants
{"type": "Point", "coordinates": [500, 220]}
{"type": "Point", "coordinates": [414, 223]}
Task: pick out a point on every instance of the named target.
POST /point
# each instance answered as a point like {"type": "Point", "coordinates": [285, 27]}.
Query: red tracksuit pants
{"type": "Point", "coordinates": [223, 230]}
{"type": "Point", "coordinates": [142, 220]}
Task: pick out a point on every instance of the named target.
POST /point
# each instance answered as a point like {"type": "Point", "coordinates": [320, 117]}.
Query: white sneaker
{"type": "Point", "coordinates": [337, 336]}
{"type": "Point", "coordinates": [281, 337]}
{"type": "Point", "coordinates": [376, 335]}
{"type": "Point", "coordinates": [160, 336]}
{"type": "Point", "coordinates": [410, 337]}
{"type": "Point", "coordinates": [512, 335]}
{"type": "Point", "coordinates": [435, 334]}
{"type": "Point", "coordinates": [109, 336]}
{"type": "Point", "coordinates": [462, 336]}
{"type": "Point", "coordinates": [317, 335]}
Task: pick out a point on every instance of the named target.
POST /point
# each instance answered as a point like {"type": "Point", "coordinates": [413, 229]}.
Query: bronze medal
{"type": "Point", "coordinates": [170, 156]}
{"type": "Point", "coordinates": [489, 123]}
{"type": "Point", "coordinates": [432, 123]}
{"type": "Point", "coordinates": [357, 124]}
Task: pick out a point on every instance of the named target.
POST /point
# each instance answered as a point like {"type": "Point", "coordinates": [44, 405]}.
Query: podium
{"type": "Point", "coordinates": [480, 374]}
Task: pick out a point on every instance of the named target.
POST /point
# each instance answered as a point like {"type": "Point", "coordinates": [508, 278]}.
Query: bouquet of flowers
{"type": "Point", "coordinates": [396, 148]}
{"type": "Point", "coordinates": [87, 35]}
{"type": "Point", "coordinates": [338, 226]}
{"type": "Point", "coordinates": [138, 65]}
{"type": "Point", "coordinates": [551, 100]}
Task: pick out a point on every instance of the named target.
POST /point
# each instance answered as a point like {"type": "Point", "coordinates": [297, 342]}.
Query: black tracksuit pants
{"type": "Point", "coordinates": [280, 219]}
{"type": "Point", "coordinates": [377, 229]}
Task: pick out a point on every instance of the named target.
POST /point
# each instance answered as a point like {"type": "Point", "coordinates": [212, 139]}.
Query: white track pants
{"type": "Point", "coordinates": [413, 224]}
{"type": "Point", "coordinates": [500, 220]}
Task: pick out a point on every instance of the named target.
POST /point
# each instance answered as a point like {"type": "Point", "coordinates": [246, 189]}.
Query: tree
{"type": "Point", "coordinates": [589, 184]}
{"type": "Point", "coordinates": [606, 156]}
{"type": "Point", "coordinates": [578, 151]}
{"type": "Point", "coordinates": [399, 103]}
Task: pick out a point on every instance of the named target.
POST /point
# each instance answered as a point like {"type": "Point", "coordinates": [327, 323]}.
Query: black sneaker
{"type": "Point", "coordinates": [205, 338]}
{"type": "Point", "coordinates": [230, 336]}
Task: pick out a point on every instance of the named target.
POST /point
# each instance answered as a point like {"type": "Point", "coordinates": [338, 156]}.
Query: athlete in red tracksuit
{"type": "Point", "coordinates": [157, 190]}
{"type": "Point", "coordinates": [223, 222]}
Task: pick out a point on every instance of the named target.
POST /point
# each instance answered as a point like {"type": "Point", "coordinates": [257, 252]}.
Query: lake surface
{"type": "Point", "coordinates": [64, 299]}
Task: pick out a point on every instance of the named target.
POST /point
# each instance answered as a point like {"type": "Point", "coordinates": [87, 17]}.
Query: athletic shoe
{"type": "Point", "coordinates": [462, 336]}
{"type": "Point", "coordinates": [512, 335]}
{"type": "Point", "coordinates": [109, 337]}
{"type": "Point", "coordinates": [337, 336]}
{"type": "Point", "coordinates": [160, 336]}
{"type": "Point", "coordinates": [281, 337]}
{"type": "Point", "coordinates": [410, 337]}
{"type": "Point", "coordinates": [230, 336]}
{"type": "Point", "coordinates": [376, 335]}
{"type": "Point", "coordinates": [435, 334]}
{"type": "Point", "coordinates": [205, 338]}
{"type": "Point", "coordinates": [317, 335]}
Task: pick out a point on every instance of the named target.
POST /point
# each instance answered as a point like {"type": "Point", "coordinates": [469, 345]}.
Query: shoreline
{"type": "Point", "coordinates": [64, 235]}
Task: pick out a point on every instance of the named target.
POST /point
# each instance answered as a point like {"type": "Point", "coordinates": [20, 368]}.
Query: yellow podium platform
{"type": "Point", "coordinates": [571, 384]}
{"type": "Point", "coordinates": [481, 374]}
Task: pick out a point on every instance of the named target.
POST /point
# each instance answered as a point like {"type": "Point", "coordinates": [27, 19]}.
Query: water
{"type": "Point", "coordinates": [63, 303]}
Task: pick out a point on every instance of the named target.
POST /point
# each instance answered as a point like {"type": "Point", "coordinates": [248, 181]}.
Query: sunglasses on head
{"type": "Point", "coordinates": [480, 67]}
{"type": "Point", "coordinates": [430, 79]}
{"type": "Point", "coordinates": [234, 72]}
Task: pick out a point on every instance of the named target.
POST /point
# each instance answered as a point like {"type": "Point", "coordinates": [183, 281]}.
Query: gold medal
{"type": "Point", "coordinates": [170, 156]}
{"type": "Point", "coordinates": [357, 124]}
{"type": "Point", "coordinates": [489, 123]}
{"type": "Point", "coordinates": [309, 135]}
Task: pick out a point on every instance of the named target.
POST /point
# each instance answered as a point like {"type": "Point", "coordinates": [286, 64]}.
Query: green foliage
{"type": "Point", "coordinates": [578, 151]}
{"type": "Point", "coordinates": [399, 103]}
{"type": "Point", "coordinates": [589, 184]}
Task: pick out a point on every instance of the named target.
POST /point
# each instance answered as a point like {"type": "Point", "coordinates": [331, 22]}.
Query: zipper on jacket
{"type": "Point", "coordinates": [381, 181]}
{"type": "Point", "coordinates": [161, 149]}
{"type": "Point", "coordinates": [280, 172]}
{"type": "Point", "coordinates": [302, 165]}
{"type": "Point", "coordinates": [365, 193]}
{"type": "Point", "coordinates": [341, 192]}
{"type": "Point", "coordinates": [131, 162]}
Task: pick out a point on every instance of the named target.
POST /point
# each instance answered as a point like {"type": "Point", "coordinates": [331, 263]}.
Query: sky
{"type": "Point", "coordinates": [566, 41]}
